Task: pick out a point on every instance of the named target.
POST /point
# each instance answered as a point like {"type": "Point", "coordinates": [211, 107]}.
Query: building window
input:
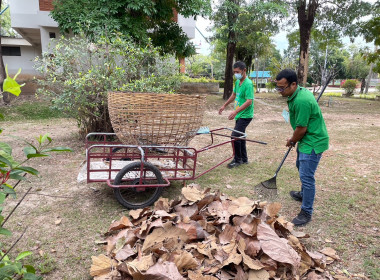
{"type": "Point", "coordinates": [11, 51]}
{"type": "Point", "coordinates": [52, 35]}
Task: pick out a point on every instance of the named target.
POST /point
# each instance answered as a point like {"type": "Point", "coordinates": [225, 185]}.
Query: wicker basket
{"type": "Point", "coordinates": [155, 119]}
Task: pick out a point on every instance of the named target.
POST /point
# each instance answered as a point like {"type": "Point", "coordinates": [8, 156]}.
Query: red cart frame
{"type": "Point", "coordinates": [184, 158]}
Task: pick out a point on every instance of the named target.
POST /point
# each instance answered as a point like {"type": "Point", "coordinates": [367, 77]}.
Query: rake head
{"type": "Point", "coordinates": [267, 189]}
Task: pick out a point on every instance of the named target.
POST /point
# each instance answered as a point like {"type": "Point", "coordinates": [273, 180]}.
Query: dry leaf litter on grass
{"type": "Point", "coordinates": [208, 236]}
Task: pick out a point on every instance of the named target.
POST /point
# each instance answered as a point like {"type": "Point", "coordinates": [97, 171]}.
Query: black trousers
{"type": "Point", "coordinates": [240, 145]}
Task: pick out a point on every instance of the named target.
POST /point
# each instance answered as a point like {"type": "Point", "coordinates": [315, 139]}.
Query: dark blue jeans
{"type": "Point", "coordinates": [239, 145]}
{"type": "Point", "coordinates": [307, 165]}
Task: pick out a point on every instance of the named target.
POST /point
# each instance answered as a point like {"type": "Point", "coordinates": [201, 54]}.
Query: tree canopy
{"type": "Point", "coordinates": [142, 20]}
{"type": "Point", "coordinates": [243, 28]}
{"type": "Point", "coordinates": [327, 16]}
{"type": "Point", "coordinates": [371, 31]}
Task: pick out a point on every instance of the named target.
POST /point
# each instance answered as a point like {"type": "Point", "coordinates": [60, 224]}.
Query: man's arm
{"type": "Point", "coordinates": [298, 133]}
{"type": "Point", "coordinates": [241, 108]}
{"type": "Point", "coordinates": [231, 99]}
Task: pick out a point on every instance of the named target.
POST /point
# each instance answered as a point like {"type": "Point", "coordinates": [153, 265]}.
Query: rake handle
{"type": "Point", "coordinates": [254, 141]}
{"type": "Point", "coordinates": [283, 160]}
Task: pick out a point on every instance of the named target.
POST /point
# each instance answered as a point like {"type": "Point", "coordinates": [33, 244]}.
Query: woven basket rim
{"type": "Point", "coordinates": [156, 93]}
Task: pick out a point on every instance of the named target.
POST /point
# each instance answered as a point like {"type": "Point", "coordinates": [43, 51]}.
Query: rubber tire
{"type": "Point", "coordinates": [131, 167]}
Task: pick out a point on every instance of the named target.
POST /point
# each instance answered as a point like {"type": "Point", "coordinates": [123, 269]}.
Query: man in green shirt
{"type": "Point", "coordinates": [242, 113]}
{"type": "Point", "coordinates": [311, 134]}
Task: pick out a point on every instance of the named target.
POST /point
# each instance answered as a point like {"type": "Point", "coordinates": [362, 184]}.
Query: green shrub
{"type": "Point", "coordinates": [349, 87]}
{"type": "Point", "coordinates": [333, 94]}
{"type": "Point", "coordinates": [367, 96]}
{"type": "Point", "coordinates": [186, 79]}
{"type": "Point", "coordinates": [78, 73]}
{"type": "Point", "coordinates": [221, 83]}
{"type": "Point", "coordinates": [270, 86]}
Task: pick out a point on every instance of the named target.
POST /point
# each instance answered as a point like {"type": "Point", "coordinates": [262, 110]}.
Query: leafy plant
{"type": "Point", "coordinates": [78, 73]}
{"type": "Point", "coordinates": [333, 94]}
{"type": "Point", "coordinates": [10, 169]}
{"type": "Point", "coordinates": [141, 20]}
{"type": "Point", "coordinates": [270, 86]}
{"type": "Point", "coordinates": [186, 79]}
{"type": "Point", "coordinates": [349, 87]}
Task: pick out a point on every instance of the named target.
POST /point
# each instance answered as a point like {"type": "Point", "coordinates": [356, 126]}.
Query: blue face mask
{"type": "Point", "coordinates": [238, 76]}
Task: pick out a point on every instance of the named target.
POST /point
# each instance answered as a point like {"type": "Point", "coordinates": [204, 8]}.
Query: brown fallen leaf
{"type": "Point", "coordinates": [272, 209]}
{"type": "Point", "coordinates": [113, 275]}
{"type": "Point", "coordinates": [328, 251]}
{"type": "Point", "coordinates": [192, 194]}
{"type": "Point", "coordinates": [341, 277]}
{"type": "Point", "coordinates": [314, 276]}
{"type": "Point", "coordinates": [275, 247]}
{"type": "Point", "coordinates": [124, 253]}
{"type": "Point", "coordinates": [252, 247]}
{"type": "Point", "coordinates": [247, 260]}
{"type": "Point", "coordinates": [121, 224]}
{"type": "Point", "coordinates": [58, 222]}
{"type": "Point", "coordinates": [261, 274]}
{"type": "Point", "coordinates": [241, 206]}
{"type": "Point", "coordinates": [101, 265]}
{"type": "Point", "coordinates": [167, 232]}
{"type": "Point", "coordinates": [162, 204]}
{"type": "Point", "coordinates": [163, 271]}
{"type": "Point", "coordinates": [228, 234]}
{"type": "Point", "coordinates": [185, 261]}
{"type": "Point", "coordinates": [135, 214]}
{"type": "Point", "coordinates": [199, 276]}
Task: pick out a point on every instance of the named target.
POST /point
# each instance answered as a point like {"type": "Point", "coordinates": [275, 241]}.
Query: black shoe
{"type": "Point", "coordinates": [302, 219]}
{"type": "Point", "coordinates": [296, 195]}
{"type": "Point", "coordinates": [244, 162]}
{"type": "Point", "coordinates": [233, 164]}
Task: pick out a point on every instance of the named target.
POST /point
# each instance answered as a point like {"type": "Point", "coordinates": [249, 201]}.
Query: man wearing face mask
{"type": "Point", "coordinates": [242, 113]}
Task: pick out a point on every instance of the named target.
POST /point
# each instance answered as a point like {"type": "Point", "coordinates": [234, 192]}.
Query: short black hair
{"type": "Point", "coordinates": [240, 64]}
{"type": "Point", "coordinates": [288, 74]}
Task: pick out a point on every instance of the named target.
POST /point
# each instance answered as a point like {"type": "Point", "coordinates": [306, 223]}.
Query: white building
{"type": "Point", "coordinates": [31, 19]}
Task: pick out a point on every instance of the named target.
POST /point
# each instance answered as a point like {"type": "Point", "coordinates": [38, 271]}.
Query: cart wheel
{"type": "Point", "coordinates": [134, 198]}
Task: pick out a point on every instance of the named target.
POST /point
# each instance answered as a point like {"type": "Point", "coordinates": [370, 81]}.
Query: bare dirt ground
{"type": "Point", "coordinates": [64, 219]}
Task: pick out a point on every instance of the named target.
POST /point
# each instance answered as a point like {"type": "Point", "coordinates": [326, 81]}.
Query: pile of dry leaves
{"type": "Point", "coordinates": [207, 236]}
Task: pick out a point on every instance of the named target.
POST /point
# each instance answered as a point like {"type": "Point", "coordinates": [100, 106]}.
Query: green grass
{"type": "Point", "coordinates": [29, 111]}
{"type": "Point", "coordinates": [346, 207]}
{"type": "Point", "coordinates": [334, 94]}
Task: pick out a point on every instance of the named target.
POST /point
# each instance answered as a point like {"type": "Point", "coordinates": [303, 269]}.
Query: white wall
{"type": "Point", "coordinates": [188, 26]}
{"type": "Point", "coordinates": [25, 61]}
{"type": "Point", "coordinates": [26, 14]}
{"type": "Point", "coordinates": [45, 37]}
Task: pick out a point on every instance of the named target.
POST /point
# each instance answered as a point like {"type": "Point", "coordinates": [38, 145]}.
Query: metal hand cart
{"type": "Point", "coordinates": [138, 174]}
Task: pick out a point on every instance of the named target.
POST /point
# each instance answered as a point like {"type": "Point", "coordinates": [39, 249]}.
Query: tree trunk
{"type": "Point", "coordinates": [229, 71]}
{"type": "Point", "coordinates": [232, 16]}
{"type": "Point", "coordinates": [306, 17]}
{"type": "Point", "coordinates": [257, 74]}
{"type": "Point", "coordinates": [369, 79]}
{"type": "Point", "coordinates": [6, 97]}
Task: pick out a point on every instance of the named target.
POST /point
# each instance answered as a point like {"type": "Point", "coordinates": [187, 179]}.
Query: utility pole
{"type": "Point", "coordinates": [324, 70]}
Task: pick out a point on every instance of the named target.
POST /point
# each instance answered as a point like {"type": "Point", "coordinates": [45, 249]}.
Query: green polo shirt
{"type": "Point", "coordinates": [243, 93]}
{"type": "Point", "coordinates": [304, 111]}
